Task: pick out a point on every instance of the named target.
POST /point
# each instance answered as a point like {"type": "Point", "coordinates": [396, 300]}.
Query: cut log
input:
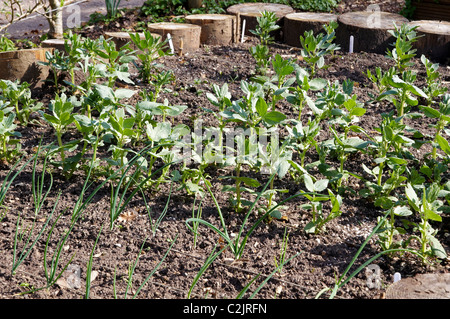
{"type": "Point", "coordinates": [24, 65]}
{"type": "Point", "coordinates": [122, 38]}
{"type": "Point", "coordinates": [423, 286]}
{"type": "Point", "coordinates": [54, 43]}
{"type": "Point", "coordinates": [370, 30]}
{"type": "Point", "coordinates": [217, 29]}
{"type": "Point", "coordinates": [434, 41]}
{"type": "Point", "coordinates": [295, 25]}
{"type": "Point", "coordinates": [185, 36]}
{"type": "Point", "coordinates": [250, 11]}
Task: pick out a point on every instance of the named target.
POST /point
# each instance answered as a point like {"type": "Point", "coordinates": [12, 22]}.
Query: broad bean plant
{"type": "Point", "coordinates": [255, 141]}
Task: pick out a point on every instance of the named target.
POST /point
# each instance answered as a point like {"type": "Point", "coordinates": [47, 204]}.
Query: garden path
{"type": "Point", "coordinates": [37, 24]}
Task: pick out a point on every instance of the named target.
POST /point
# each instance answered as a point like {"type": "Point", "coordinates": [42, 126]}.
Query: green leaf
{"type": "Point", "coordinates": [438, 249]}
{"type": "Point", "coordinates": [251, 182]}
{"type": "Point", "coordinates": [309, 184]}
{"type": "Point", "coordinates": [431, 215]}
{"type": "Point", "coordinates": [412, 197]}
{"type": "Point", "coordinates": [274, 117]}
{"type": "Point", "coordinates": [402, 211]}
{"type": "Point", "coordinates": [430, 112]}
{"type": "Point", "coordinates": [443, 144]}
{"type": "Point", "coordinates": [261, 107]}
{"type": "Point", "coordinates": [321, 185]}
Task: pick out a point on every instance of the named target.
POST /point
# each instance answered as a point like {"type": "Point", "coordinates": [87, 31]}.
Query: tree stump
{"type": "Point", "coordinates": [54, 43]}
{"type": "Point", "coordinates": [434, 41]}
{"type": "Point", "coordinates": [369, 28]}
{"type": "Point", "coordinates": [122, 38]}
{"type": "Point", "coordinates": [295, 25]}
{"type": "Point", "coordinates": [217, 29]}
{"type": "Point", "coordinates": [185, 36]}
{"type": "Point", "coordinates": [423, 286]}
{"type": "Point", "coordinates": [23, 65]}
{"type": "Point", "coordinates": [250, 11]}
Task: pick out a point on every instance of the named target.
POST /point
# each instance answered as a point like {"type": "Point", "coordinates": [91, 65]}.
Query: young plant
{"type": "Point", "coordinates": [112, 9]}
{"type": "Point", "coordinates": [380, 80]}
{"type": "Point", "coordinates": [266, 23]}
{"type": "Point", "coordinates": [443, 119]}
{"type": "Point", "coordinates": [274, 159]}
{"type": "Point", "coordinates": [315, 48]}
{"type": "Point", "coordinates": [403, 93]}
{"type": "Point", "coordinates": [282, 258]}
{"type": "Point", "coordinates": [221, 99]}
{"type": "Point", "coordinates": [19, 95]}
{"type": "Point", "coordinates": [117, 61]}
{"type": "Point", "coordinates": [299, 94]}
{"type": "Point", "coordinates": [388, 147]}
{"type": "Point", "coordinates": [121, 127]}
{"type": "Point", "coordinates": [342, 147]}
{"type": "Point", "coordinates": [428, 207]}
{"type": "Point", "coordinates": [89, 267]}
{"type": "Point", "coordinates": [58, 62]}
{"type": "Point", "coordinates": [6, 44]}
{"type": "Point", "coordinates": [434, 87]}
{"type": "Point", "coordinates": [319, 218]}
{"type": "Point", "coordinates": [151, 48]}
{"type": "Point", "coordinates": [133, 267]}
{"type": "Point", "coordinates": [9, 143]}
{"type": "Point", "coordinates": [344, 279]}
{"type": "Point", "coordinates": [276, 86]}
{"type": "Point", "coordinates": [60, 116]}
{"type": "Point", "coordinates": [213, 256]}
{"type": "Point", "coordinates": [73, 46]}
{"type": "Point", "coordinates": [389, 231]}
{"type": "Point", "coordinates": [27, 246]}
{"type": "Point", "coordinates": [302, 139]}
{"type": "Point", "coordinates": [403, 52]}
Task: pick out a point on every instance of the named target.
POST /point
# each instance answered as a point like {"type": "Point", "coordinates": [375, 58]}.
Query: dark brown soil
{"type": "Point", "coordinates": [322, 257]}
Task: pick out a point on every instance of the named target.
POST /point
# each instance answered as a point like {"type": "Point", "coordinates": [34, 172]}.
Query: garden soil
{"type": "Point", "coordinates": [321, 258]}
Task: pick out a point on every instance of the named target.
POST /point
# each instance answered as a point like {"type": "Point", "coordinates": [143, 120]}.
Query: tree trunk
{"type": "Point", "coordinates": [55, 20]}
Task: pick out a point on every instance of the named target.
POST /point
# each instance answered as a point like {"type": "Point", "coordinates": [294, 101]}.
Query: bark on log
{"type": "Point", "coordinates": [217, 29]}
{"type": "Point", "coordinates": [250, 11]}
{"type": "Point", "coordinates": [185, 36]}
{"type": "Point", "coordinates": [295, 25]}
{"type": "Point", "coordinates": [369, 28]}
{"type": "Point", "coordinates": [23, 65]}
{"type": "Point", "coordinates": [423, 286]}
{"type": "Point", "coordinates": [434, 41]}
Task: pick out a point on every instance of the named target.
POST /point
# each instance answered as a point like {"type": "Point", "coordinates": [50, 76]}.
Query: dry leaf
{"type": "Point", "coordinates": [61, 282]}
{"type": "Point", "coordinates": [94, 275]}
{"type": "Point", "coordinates": [127, 216]}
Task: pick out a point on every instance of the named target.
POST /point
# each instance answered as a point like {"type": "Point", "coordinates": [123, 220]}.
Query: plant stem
{"type": "Point", "coordinates": [59, 137]}
{"type": "Point", "coordinates": [238, 187]}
